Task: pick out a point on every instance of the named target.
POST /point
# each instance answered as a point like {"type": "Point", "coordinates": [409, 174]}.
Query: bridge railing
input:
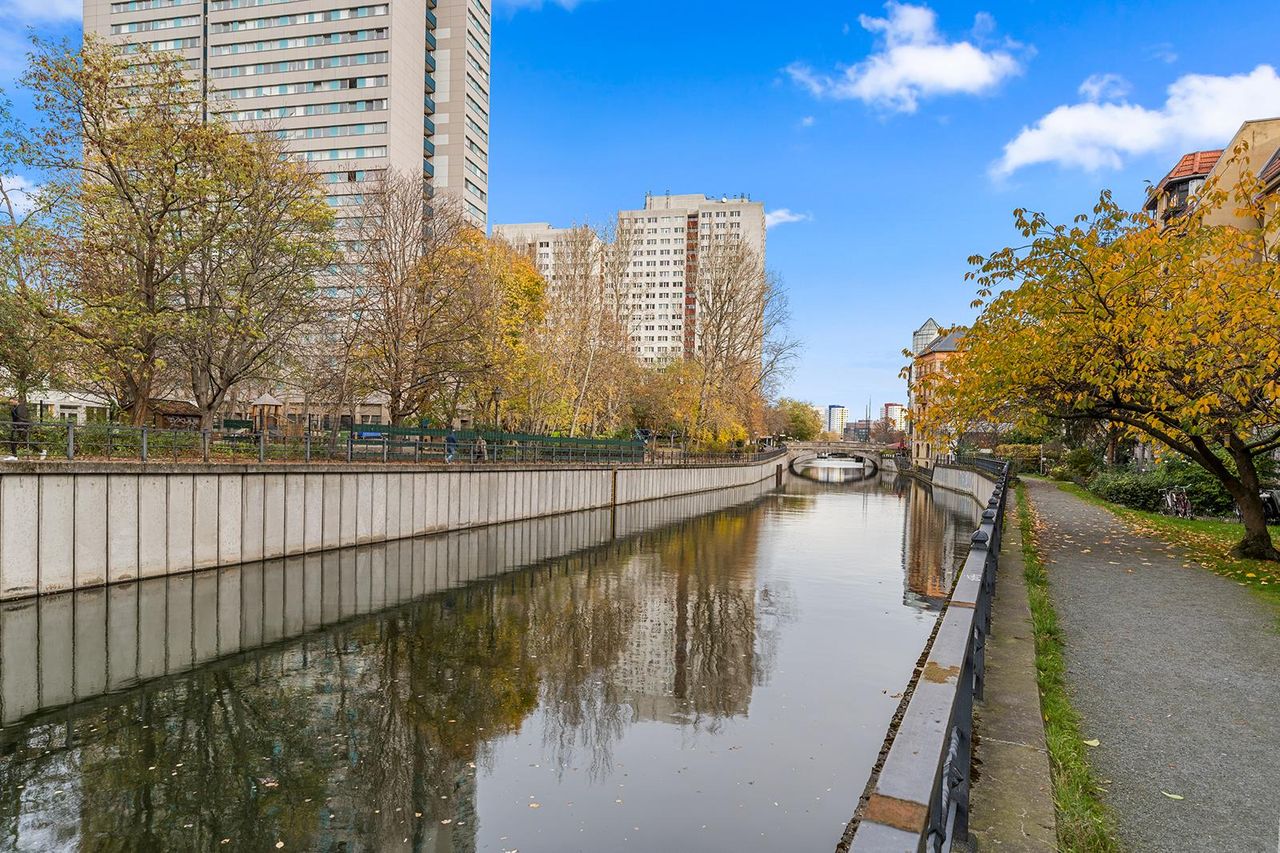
{"type": "Point", "coordinates": [918, 797]}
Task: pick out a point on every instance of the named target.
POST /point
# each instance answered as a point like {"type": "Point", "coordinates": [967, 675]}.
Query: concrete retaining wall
{"type": "Point", "coordinates": [966, 481]}
{"type": "Point", "coordinates": [75, 526]}
{"type": "Point", "coordinates": [75, 646]}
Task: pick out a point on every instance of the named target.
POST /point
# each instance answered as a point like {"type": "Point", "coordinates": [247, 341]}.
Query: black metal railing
{"type": "Point", "coordinates": [918, 797]}
{"type": "Point", "coordinates": [372, 443]}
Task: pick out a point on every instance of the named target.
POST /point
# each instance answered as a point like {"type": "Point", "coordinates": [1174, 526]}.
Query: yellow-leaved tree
{"type": "Point", "coordinates": [1171, 332]}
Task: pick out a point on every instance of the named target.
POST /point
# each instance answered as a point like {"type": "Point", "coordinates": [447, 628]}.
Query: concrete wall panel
{"type": "Point", "coordinates": [19, 542]}
{"type": "Point", "coordinates": [57, 533]}
{"type": "Point", "coordinates": [181, 532]}
{"type": "Point", "coordinates": [90, 530]}
{"type": "Point", "coordinates": [153, 525]}
{"type": "Point", "coordinates": [273, 516]}
{"type": "Point", "coordinates": [229, 514]}
{"type": "Point", "coordinates": [205, 512]}
{"type": "Point", "coordinates": [122, 527]}
{"type": "Point", "coordinates": [312, 513]}
{"type": "Point", "coordinates": [348, 514]}
{"type": "Point", "coordinates": [251, 538]}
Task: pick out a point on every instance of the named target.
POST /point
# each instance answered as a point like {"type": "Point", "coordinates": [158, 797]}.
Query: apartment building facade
{"type": "Point", "coordinates": [664, 242]}
{"type": "Point", "coordinates": [354, 87]}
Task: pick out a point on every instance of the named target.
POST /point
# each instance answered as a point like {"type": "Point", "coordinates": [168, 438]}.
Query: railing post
{"type": "Point", "coordinates": [350, 444]}
{"type": "Point", "coordinates": [204, 445]}
{"type": "Point", "coordinates": [386, 442]}
{"type": "Point", "coordinates": [71, 439]}
{"type": "Point", "coordinates": [262, 446]}
{"type": "Point", "coordinates": [306, 446]}
{"type": "Point", "coordinates": [144, 444]}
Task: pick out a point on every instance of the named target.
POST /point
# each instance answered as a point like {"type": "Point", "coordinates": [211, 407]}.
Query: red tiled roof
{"type": "Point", "coordinates": [1195, 163]}
{"type": "Point", "coordinates": [1271, 171]}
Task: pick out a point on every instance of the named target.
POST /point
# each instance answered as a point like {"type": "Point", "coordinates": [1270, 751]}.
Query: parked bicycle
{"type": "Point", "coordinates": [1176, 501]}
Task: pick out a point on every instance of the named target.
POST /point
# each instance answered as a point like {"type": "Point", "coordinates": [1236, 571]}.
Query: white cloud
{"type": "Point", "coordinates": [1200, 109]}
{"type": "Point", "coordinates": [1104, 87]}
{"type": "Point", "coordinates": [808, 121]}
{"type": "Point", "coordinates": [913, 61]}
{"type": "Point", "coordinates": [783, 215]}
{"type": "Point", "coordinates": [28, 11]}
{"type": "Point", "coordinates": [21, 192]}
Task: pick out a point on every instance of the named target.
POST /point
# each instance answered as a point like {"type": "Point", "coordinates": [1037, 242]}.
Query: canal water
{"type": "Point", "coordinates": [713, 673]}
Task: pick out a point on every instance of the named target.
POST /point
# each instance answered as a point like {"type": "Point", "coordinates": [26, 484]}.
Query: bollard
{"type": "Point", "coordinates": [306, 447]}
{"type": "Point", "coordinates": [262, 446]}
{"type": "Point", "coordinates": [71, 439]}
{"type": "Point", "coordinates": [349, 446]}
{"type": "Point", "coordinates": [204, 445]}
{"type": "Point", "coordinates": [144, 444]}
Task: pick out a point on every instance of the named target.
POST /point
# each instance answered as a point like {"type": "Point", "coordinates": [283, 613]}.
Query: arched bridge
{"type": "Point", "coordinates": [872, 455]}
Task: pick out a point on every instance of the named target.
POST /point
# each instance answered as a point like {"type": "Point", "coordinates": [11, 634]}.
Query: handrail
{"type": "Point", "coordinates": [918, 798]}
{"type": "Point", "coordinates": [112, 442]}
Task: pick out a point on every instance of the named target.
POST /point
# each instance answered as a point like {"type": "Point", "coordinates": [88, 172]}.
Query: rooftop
{"type": "Point", "coordinates": [1197, 164]}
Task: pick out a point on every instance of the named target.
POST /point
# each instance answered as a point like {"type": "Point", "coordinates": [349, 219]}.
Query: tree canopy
{"type": "Point", "coordinates": [1170, 332]}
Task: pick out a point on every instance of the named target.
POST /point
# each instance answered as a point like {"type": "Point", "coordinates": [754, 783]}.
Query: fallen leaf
{"type": "Point", "coordinates": [1092, 742]}
{"type": "Point", "coordinates": [1172, 796]}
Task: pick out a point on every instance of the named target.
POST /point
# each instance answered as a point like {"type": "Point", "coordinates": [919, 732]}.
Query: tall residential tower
{"type": "Point", "coordinates": [665, 241]}
{"type": "Point", "coordinates": [353, 86]}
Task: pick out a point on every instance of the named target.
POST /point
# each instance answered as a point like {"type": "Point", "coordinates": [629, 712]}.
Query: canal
{"type": "Point", "coordinates": [713, 674]}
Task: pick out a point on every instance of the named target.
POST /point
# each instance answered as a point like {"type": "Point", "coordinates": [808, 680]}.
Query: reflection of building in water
{"type": "Point", "coordinates": [691, 650]}
{"type": "Point", "coordinates": [935, 541]}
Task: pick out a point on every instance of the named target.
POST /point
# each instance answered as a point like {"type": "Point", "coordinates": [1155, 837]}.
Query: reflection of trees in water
{"type": "Point", "coordinates": [935, 534]}
{"type": "Point", "coordinates": [338, 740]}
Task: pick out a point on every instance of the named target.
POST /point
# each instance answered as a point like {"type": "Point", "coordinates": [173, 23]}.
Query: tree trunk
{"type": "Point", "coordinates": [1257, 538]}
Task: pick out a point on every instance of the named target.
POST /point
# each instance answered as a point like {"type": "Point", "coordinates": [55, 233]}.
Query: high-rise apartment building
{"type": "Point", "coordinates": [354, 87]}
{"type": "Point", "coordinates": [837, 417]}
{"type": "Point", "coordinates": [664, 241]}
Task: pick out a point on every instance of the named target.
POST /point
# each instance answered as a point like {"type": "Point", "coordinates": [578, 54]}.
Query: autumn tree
{"type": "Point", "coordinates": [1170, 333]}
{"type": "Point", "coordinates": [126, 162]}
{"type": "Point", "coordinates": [416, 261]}
{"type": "Point", "coordinates": [248, 291]}
{"type": "Point", "coordinates": [29, 351]}
{"type": "Point", "coordinates": [795, 419]}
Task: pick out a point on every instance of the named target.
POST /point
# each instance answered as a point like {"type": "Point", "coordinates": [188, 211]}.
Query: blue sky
{"type": "Point", "coordinates": [898, 137]}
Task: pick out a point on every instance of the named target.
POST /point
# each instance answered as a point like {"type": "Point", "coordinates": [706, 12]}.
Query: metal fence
{"type": "Point", "coordinates": [372, 443]}
{"type": "Point", "coordinates": [918, 798]}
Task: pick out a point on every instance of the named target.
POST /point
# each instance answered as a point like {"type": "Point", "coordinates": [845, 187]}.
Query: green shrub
{"type": "Point", "coordinates": [1081, 462]}
{"type": "Point", "coordinates": [1137, 490]}
{"type": "Point", "coordinates": [1060, 472]}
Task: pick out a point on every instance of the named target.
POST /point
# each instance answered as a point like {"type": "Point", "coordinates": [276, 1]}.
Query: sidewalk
{"type": "Point", "coordinates": [1176, 671]}
{"type": "Point", "coordinates": [1012, 798]}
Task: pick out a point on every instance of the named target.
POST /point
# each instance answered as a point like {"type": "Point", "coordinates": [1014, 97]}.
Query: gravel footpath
{"type": "Point", "coordinates": [1176, 671]}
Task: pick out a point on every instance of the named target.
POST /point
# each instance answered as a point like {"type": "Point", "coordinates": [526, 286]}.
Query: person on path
{"type": "Point", "coordinates": [481, 450]}
{"type": "Point", "coordinates": [19, 425]}
{"type": "Point", "coordinates": [450, 446]}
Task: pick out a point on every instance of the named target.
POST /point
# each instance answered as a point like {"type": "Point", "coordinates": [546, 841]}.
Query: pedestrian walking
{"type": "Point", "coordinates": [19, 426]}
{"type": "Point", "coordinates": [482, 449]}
{"type": "Point", "coordinates": [450, 446]}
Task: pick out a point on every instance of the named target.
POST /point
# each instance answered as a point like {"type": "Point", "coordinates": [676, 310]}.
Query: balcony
{"type": "Point", "coordinates": [431, 40]}
{"type": "Point", "coordinates": [428, 125]}
{"type": "Point", "coordinates": [431, 18]}
{"type": "Point", "coordinates": [429, 83]}
{"type": "Point", "coordinates": [428, 105]}
{"type": "Point", "coordinates": [428, 148]}
{"type": "Point", "coordinates": [431, 62]}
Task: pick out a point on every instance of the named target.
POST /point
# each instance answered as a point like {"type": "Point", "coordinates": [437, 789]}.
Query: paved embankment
{"type": "Point", "coordinates": [1012, 799]}
{"type": "Point", "coordinates": [1176, 672]}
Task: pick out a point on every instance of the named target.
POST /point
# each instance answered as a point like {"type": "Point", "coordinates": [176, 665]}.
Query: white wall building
{"type": "Point", "coordinates": [354, 86]}
{"type": "Point", "coordinates": [667, 236]}
{"type": "Point", "coordinates": [837, 417]}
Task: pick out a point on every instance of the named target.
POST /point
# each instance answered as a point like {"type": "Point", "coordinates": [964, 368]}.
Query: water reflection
{"type": "Point", "coordinates": [635, 673]}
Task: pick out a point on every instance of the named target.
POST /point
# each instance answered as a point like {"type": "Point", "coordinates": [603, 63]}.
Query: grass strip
{"type": "Point", "coordinates": [1085, 824]}
{"type": "Point", "coordinates": [1204, 542]}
